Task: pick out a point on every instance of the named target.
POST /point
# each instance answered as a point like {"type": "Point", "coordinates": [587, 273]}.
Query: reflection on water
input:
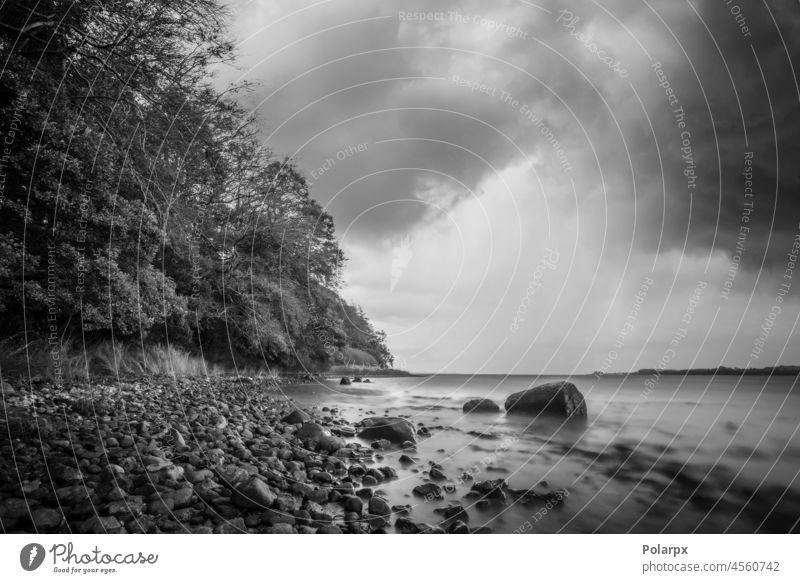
{"type": "Point", "coordinates": [698, 454]}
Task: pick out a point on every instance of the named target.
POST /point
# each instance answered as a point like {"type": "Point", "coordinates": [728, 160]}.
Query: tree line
{"type": "Point", "coordinates": [139, 203]}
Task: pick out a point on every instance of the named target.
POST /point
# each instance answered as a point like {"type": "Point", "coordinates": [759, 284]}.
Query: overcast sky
{"type": "Point", "coordinates": [550, 187]}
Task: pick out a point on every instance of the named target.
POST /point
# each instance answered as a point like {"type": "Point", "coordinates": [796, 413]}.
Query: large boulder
{"type": "Point", "coordinates": [345, 381]}
{"type": "Point", "coordinates": [481, 406]}
{"type": "Point", "coordinates": [557, 398]}
{"type": "Point", "coordinates": [394, 429]}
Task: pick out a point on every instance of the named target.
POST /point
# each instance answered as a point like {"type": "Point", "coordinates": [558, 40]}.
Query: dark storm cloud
{"type": "Point", "coordinates": [427, 138]}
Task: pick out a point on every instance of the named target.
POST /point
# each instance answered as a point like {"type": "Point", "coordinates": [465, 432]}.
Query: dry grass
{"type": "Point", "coordinates": [68, 362]}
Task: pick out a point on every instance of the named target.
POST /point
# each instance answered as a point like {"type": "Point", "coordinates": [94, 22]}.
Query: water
{"type": "Point", "coordinates": [695, 454]}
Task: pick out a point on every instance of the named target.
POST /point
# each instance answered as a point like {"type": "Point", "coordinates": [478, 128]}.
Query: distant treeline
{"type": "Point", "coordinates": [137, 201]}
{"type": "Point", "coordinates": [726, 370]}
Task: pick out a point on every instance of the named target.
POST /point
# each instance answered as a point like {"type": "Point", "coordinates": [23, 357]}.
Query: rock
{"type": "Point", "coordinates": [481, 406]}
{"type": "Point", "coordinates": [253, 493]}
{"type": "Point", "coordinates": [406, 460]}
{"type": "Point", "coordinates": [101, 525]}
{"type": "Point", "coordinates": [353, 504]}
{"type": "Point", "coordinates": [402, 509]}
{"type": "Point", "coordinates": [46, 519]}
{"type": "Point", "coordinates": [295, 417]}
{"type": "Point", "coordinates": [232, 526]}
{"type": "Point", "coordinates": [331, 528]}
{"type": "Point", "coordinates": [281, 528]}
{"type": "Point", "coordinates": [557, 398]}
{"type": "Point", "coordinates": [428, 491]}
{"type": "Point", "coordinates": [405, 525]}
{"type": "Point", "coordinates": [17, 507]}
{"type": "Point", "coordinates": [437, 474]}
{"type": "Point", "coordinates": [369, 481]}
{"type": "Point", "coordinates": [178, 442]}
{"type": "Point", "coordinates": [315, 437]}
{"type": "Point", "coordinates": [453, 512]}
{"type": "Point", "coordinates": [381, 444]}
{"type": "Point", "coordinates": [379, 506]}
{"type": "Point", "coordinates": [273, 517]}
{"type": "Point", "coordinates": [491, 489]}
{"type": "Point", "coordinates": [196, 476]}
{"type": "Point", "coordinates": [458, 527]}
{"type": "Point", "coordinates": [345, 381]}
{"type": "Point", "coordinates": [395, 429]}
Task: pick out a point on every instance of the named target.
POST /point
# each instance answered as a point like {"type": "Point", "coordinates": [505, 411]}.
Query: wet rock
{"type": "Point", "coordinates": [394, 429]}
{"type": "Point", "coordinates": [481, 406]}
{"type": "Point", "coordinates": [491, 489]}
{"type": "Point", "coordinates": [353, 504]}
{"type": "Point", "coordinates": [345, 381]}
{"type": "Point", "coordinates": [46, 519]}
{"type": "Point", "coordinates": [329, 529]}
{"type": "Point", "coordinates": [406, 460]}
{"type": "Point", "coordinates": [252, 494]}
{"type": "Point", "coordinates": [101, 525]}
{"type": "Point", "coordinates": [453, 512]}
{"type": "Point", "coordinates": [296, 416]}
{"type": "Point", "coordinates": [437, 474]}
{"type": "Point", "coordinates": [557, 398]}
{"type": "Point", "coordinates": [379, 506]}
{"type": "Point", "coordinates": [458, 527]}
{"type": "Point", "coordinates": [405, 525]}
{"type": "Point", "coordinates": [429, 491]}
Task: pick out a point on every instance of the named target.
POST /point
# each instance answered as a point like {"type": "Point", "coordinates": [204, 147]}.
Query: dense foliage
{"type": "Point", "coordinates": [138, 203]}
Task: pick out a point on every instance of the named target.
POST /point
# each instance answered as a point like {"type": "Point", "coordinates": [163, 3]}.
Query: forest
{"type": "Point", "coordinates": [140, 207]}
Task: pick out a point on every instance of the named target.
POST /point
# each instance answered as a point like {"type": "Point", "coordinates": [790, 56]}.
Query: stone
{"type": "Point", "coordinates": [280, 528]}
{"type": "Point", "coordinates": [379, 506]}
{"type": "Point", "coordinates": [15, 508]}
{"type": "Point", "coordinates": [406, 460]}
{"type": "Point", "coordinates": [196, 476]}
{"type": "Point", "coordinates": [353, 504]}
{"type": "Point", "coordinates": [46, 519]}
{"type": "Point", "coordinates": [272, 517]}
{"type": "Point", "coordinates": [405, 525]}
{"type": "Point", "coordinates": [491, 489]}
{"type": "Point", "coordinates": [330, 528]}
{"type": "Point", "coordinates": [252, 493]}
{"type": "Point", "coordinates": [437, 474]}
{"type": "Point", "coordinates": [232, 526]}
{"type": "Point", "coordinates": [316, 437]}
{"type": "Point", "coordinates": [345, 381]}
{"type": "Point", "coordinates": [394, 429]}
{"type": "Point", "coordinates": [295, 417]}
{"type": "Point", "coordinates": [560, 398]}
{"type": "Point", "coordinates": [177, 439]}
{"type": "Point", "coordinates": [453, 512]}
{"type": "Point", "coordinates": [481, 406]}
{"type": "Point", "coordinates": [429, 491]}
{"type": "Point", "coordinates": [101, 525]}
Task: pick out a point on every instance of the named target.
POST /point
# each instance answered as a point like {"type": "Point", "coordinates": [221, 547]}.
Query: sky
{"type": "Point", "coordinates": [551, 187]}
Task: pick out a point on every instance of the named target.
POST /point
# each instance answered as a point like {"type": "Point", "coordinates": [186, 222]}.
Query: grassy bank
{"type": "Point", "coordinates": [68, 361]}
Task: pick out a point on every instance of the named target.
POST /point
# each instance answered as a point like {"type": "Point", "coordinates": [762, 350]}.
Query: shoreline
{"type": "Point", "coordinates": [206, 456]}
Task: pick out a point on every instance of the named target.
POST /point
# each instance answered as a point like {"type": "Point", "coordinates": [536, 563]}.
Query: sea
{"type": "Point", "coordinates": [666, 454]}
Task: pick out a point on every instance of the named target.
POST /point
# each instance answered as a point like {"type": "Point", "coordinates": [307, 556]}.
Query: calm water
{"type": "Point", "coordinates": [696, 454]}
